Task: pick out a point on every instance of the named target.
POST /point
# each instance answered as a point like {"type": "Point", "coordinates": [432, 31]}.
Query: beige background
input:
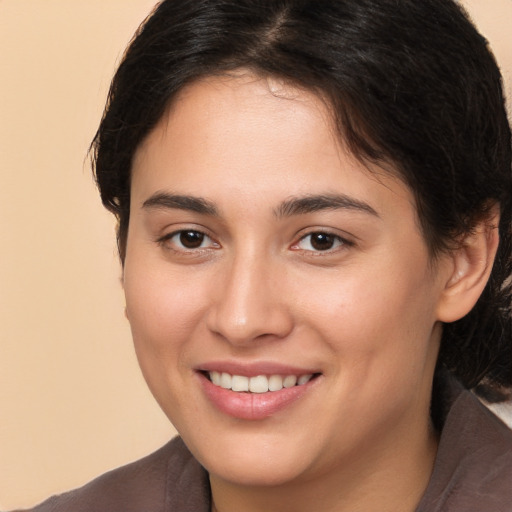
{"type": "Point", "coordinates": [72, 401]}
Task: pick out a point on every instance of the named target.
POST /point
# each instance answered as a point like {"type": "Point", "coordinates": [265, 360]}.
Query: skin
{"type": "Point", "coordinates": [364, 313]}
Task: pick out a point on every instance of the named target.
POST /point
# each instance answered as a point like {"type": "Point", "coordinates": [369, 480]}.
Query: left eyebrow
{"type": "Point", "coordinates": [162, 200]}
{"type": "Point", "coordinates": [314, 203]}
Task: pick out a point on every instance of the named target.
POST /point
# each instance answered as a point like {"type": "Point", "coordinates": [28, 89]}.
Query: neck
{"type": "Point", "coordinates": [384, 479]}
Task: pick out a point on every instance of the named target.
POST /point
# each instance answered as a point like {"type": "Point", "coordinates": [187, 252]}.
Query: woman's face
{"type": "Point", "coordinates": [262, 255]}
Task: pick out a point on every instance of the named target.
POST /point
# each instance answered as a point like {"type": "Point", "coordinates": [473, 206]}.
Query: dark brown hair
{"type": "Point", "coordinates": [410, 83]}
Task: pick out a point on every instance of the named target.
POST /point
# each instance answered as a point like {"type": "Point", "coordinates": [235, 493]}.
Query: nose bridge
{"type": "Point", "coordinates": [247, 304]}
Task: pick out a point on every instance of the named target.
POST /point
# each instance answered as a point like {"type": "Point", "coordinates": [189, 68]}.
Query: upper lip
{"type": "Point", "coordinates": [254, 369]}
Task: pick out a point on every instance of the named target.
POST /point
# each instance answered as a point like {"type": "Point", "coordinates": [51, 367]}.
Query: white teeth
{"type": "Point", "coordinates": [258, 384]}
{"type": "Point", "coordinates": [239, 383]}
{"type": "Point", "coordinates": [215, 376]}
{"type": "Point", "coordinates": [304, 379]}
{"type": "Point", "coordinates": [275, 383]}
{"type": "Point", "coordinates": [289, 381]}
{"type": "Point", "coordinates": [225, 381]}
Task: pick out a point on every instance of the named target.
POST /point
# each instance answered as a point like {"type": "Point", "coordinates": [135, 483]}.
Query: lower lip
{"type": "Point", "coordinates": [253, 406]}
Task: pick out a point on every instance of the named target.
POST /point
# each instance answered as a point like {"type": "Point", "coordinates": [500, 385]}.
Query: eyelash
{"type": "Point", "coordinates": [339, 242]}
{"type": "Point", "coordinates": [166, 242]}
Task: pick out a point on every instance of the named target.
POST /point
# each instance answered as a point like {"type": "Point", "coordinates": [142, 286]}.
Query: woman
{"type": "Point", "coordinates": [314, 206]}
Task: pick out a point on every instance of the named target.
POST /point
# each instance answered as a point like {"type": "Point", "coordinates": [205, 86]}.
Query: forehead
{"type": "Point", "coordinates": [236, 105]}
{"type": "Point", "coordinates": [252, 136]}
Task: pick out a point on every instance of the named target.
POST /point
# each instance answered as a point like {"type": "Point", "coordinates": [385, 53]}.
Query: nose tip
{"type": "Point", "coordinates": [250, 306]}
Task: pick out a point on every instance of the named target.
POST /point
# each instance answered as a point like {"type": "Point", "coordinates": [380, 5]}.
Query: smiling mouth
{"type": "Point", "coordinates": [259, 383]}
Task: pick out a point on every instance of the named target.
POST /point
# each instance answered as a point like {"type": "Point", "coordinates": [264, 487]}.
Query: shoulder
{"type": "Point", "coordinates": [144, 485]}
{"type": "Point", "coordinates": [473, 469]}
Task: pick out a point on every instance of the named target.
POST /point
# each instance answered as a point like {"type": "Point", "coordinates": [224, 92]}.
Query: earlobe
{"type": "Point", "coordinates": [471, 265]}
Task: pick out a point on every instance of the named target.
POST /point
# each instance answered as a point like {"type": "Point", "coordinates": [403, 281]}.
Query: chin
{"type": "Point", "coordinates": [254, 463]}
{"type": "Point", "coordinates": [255, 474]}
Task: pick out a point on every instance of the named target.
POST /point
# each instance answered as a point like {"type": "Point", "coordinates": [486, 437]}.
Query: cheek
{"type": "Point", "coordinates": [163, 312]}
{"type": "Point", "coordinates": [382, 346]}
{"type": "Point", "coordinates": [379, 317]}
{"type": "Point", "coordinates": [163, 316]}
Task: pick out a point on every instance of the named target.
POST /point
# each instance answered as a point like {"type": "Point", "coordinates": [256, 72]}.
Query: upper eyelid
{"type": "Point", "coordinates": [342, 239]}
{"type": "Point", "coordinates": [344, 245]}
{"type": "Point", "coordinates": [329, 233]}
{"type": "Point", "coordinates": [346, 238]}
{"type": "Point", "coordinates": [342, 235]}
{"type": "Point", "coordinates": [171, 234]}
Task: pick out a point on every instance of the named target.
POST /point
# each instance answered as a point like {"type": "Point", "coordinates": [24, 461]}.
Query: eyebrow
{"type": "Point", "coordinates": [162, 200]}
{"type": "Point", "coordinates": [314, 203]}
{"type": "Point", "coordinates": [293, 206]}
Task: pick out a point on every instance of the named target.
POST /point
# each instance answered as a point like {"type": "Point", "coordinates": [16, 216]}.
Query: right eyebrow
{"type": "Point", "coordinates": [314, 203]}
{"type": "Point", "coordinates": [164, 201]}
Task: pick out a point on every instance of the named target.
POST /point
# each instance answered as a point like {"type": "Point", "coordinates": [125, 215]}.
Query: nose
{"type": "Point", "coordinates": [250, 302]}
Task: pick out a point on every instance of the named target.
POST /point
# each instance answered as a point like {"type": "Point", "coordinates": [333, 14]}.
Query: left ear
{"type": "Point", "coordinates": [470, 266]}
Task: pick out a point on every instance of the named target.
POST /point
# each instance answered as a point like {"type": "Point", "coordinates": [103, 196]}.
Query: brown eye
{"type": "Point", "coordinates": [320, 241]}
{"type": "Point", "coordinates": [191, 239]}
{"type": "Point", "coordinates": [187, 242]}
